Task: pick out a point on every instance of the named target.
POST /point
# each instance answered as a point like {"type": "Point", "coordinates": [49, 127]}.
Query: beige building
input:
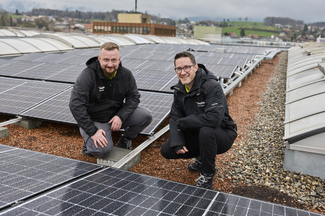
{"type": "Point", "coordinates": [208, 33]}
{"type": "Point", "coordinates": [133, 18]}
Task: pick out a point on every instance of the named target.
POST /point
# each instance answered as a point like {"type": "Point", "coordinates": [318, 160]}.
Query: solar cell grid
{"type": "Point", "coordinates": [118, 192]}
{"type": "Point", "coordinates": [69, 74]}
{"type": "Point", "coordinates": [224, 71]}
{"type": "Point", "coordinates": [76, 60]}
{"type": "Point", "coordinates": [54, 58]}
{"type": "Point", "coordinates": [162, 57]}
{"type": "Point", "coordinates": [138, 55]}
{"type": "Point", "coordinates": [17, 67]}
{"type": "Point", "coordinates": [153, 80]}
{"type": "Point", "coordinates": [209, 60]}
{"type": "Point", "coordinates": [159, 105]}
{"type": "Point", "coordinates": [132, 63]}
{"type": "Point", "coordinates": [42, 71]}
{"type": "Point", "coordinates": [156, 65]}
{"type": "Point", "coordinates": [56, 109]}
{"type": "Point", "coordinates": [26, 95]}
{"type": "Point", "coordinates": [31, 56]}
{"type": "Point", "coordinates": [25, 173]}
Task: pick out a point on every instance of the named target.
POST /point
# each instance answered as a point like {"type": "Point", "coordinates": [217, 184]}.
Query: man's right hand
{"type": "Point", "coordinates": [99, 138]}
{"type": "Point", "coordinates": [182, 151]}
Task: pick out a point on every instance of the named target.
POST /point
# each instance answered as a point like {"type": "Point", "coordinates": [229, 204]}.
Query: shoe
{"type": "Point", "coordinates": [85, 152]}
{"type": "Point", "coordinates": [196, 166]}
{"type": "Point", "coordinates": [204, 181]}
{"type": "Point", "coordinates": [124, 143]}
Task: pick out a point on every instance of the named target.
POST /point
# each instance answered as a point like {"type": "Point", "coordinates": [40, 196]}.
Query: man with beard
{"type": "Point", "coordinates": [105, 98]}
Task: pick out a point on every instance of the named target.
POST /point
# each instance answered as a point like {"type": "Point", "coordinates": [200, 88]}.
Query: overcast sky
{"type": "Point", "coordinates": [254, 10]}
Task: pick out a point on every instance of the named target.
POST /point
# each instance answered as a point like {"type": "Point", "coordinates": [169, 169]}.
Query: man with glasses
{"type": "Point", "coordinates": [200, 124]}
{"type": "Point", "coordinates": [105, 98]}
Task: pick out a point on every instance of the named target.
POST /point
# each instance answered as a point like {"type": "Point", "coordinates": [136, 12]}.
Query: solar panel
{"type": "Point", "coordinates": [153, 80]}
{"type": "Point", "coordinates": [232, 61]}
{"type": "Point", "coordinates": [224, 71]}
{"type": "Point", "coordinates": [137, 55]}
{"type": "Point", "coordinates": [54, 58]}
{"type": "Point", "coordinates": [25, 173]}
{"type": "Point", "coordinates": [156, 65]}
{"type": "Point", "coordinates": [55, 109]}
{"type": "Point", "coordinates": [42, 71]}
{"type": "Point", "coordinates": [131, 64]}
{"type": "Point", "coordinates": [31, 56]}
{"type": "Point", "coordinates": [76, 60]}
{"type": "Point", "coordinates": [162, 57]}
{"type": "Point", "coordinates": [26, 95]}
{"type": "Point", "coordinates": [117, 192]}
{"type": "Point", "coordinates": [209, 60]}
{"type": "Point", "coordinates": [4, 62]}
{"type": "Point", "coordinates": [69, 74]}
{"type": "Point", "coordinates": [17, 67]}
{"type": "Point", "coordinates": [159, 105]}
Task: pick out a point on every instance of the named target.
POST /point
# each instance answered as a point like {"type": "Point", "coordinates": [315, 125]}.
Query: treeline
{"type": "Point", "coordinates": [270, 21]}
{"type": "Point", "coordinates": [319, 24]}
{"type": "Point", "coordinates": [106, 16]}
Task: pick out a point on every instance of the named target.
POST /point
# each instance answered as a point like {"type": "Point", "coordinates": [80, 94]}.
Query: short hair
{"type": "Point", "coordinates": [110, 46]}
{"type": "Point", "coordinates": [184, 55]}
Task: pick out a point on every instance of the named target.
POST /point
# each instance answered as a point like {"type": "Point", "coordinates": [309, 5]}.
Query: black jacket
{"type": "Point", "coordinates": [205, 105]}
{"type": "Point", "coordinates": [95, 97]}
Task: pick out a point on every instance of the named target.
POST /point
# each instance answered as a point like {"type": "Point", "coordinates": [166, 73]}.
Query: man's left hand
{"type": "Point", "coordinates": [116, 123]}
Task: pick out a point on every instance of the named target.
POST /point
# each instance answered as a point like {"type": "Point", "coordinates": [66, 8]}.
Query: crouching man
{"type": "Point", "coordinates": [105, 98]}
{"type": "Point", "coordinates": [200, 124]}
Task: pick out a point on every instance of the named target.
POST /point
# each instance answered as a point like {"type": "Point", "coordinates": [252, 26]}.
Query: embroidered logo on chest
{"type": "Point", "coordinates": [200, 104]}
{"type": "Point", "coordinates": [101, 88]}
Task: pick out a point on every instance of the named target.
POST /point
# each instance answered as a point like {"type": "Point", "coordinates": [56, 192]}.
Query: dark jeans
{"type": "Point", "coordinates": [207, 142]}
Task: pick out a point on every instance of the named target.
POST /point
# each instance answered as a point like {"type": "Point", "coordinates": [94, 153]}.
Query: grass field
{"type": "Point", "coordinates": [252, 26]}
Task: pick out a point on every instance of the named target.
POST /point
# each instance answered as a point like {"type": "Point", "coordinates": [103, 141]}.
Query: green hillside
{"type": "Point", "coordinates": [251, 28]}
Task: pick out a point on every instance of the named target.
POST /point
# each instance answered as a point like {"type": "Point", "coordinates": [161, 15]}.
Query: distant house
{"type": "Point", "coordinates": [252, 36]}
{"type": "Point", "coordinates": [233, 34]}
{"type": "Point", "coordinates": [88, 27]}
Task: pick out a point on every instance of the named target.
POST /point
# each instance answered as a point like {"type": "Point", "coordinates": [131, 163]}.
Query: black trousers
{"type": "Point", "coordinates": [207, 142]}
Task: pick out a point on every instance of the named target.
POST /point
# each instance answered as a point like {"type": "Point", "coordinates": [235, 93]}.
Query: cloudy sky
{"type": "Point", "coordinates": [254, 10]}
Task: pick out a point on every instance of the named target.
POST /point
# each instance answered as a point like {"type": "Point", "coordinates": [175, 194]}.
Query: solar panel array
{"type": "Point", "coordinates": [57, 109]}
{"type": "Point", "coordinates": [19, 95]}
{"type": "Point", "coordinates": [25, 173]}
{"type": "Point", "coordinates": [117, 192]}
{"type": "Point", "coordinates": [152, 66]}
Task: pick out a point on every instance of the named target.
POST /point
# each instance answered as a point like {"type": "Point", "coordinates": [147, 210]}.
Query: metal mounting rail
{"type": "Point", "coordinates": [138, 149]}
{"type": "Point", "coordinates": [11, 121]}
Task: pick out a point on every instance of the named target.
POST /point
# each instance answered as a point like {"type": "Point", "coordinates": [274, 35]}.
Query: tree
{"type": "Point", "coordinates": [246, 18]}
{"type": "Point", "coordinates": [17, 12]}
{"type": "Point", "coordinates": [239, 18]}
{"type": "Point", "coordinates": [305, 28]}
{"type": "Point", "coordinates": [10, 21]}
{"type": "Point", "coordinates": [242, 32]}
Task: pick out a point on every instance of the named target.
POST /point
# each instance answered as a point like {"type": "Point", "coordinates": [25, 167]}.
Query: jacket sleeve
{"type": "Point", "coordinates": [132, 99]}
{"type": "Point", "coordinates": [213, 113]}
{"type": "Point", "coordinates": [79, 102]}
{"type": "Point", "coordinates": [176, 111]}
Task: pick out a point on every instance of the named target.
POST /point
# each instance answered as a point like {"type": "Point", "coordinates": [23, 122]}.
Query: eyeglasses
{"type": "Point", "coordinates": [187, 68]}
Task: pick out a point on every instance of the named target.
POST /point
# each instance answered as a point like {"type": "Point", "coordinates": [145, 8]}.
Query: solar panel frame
{"type": "Point", "coordinates": [118, 192]}
{"type": "Point", "coordinates": [25, 173]}
{"type": "Point", "coordinates": [27, 94]}
{"type": "Point", "coordinates": [57, 109]}
{"type": "Point", "coordinates": [153, 80]}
